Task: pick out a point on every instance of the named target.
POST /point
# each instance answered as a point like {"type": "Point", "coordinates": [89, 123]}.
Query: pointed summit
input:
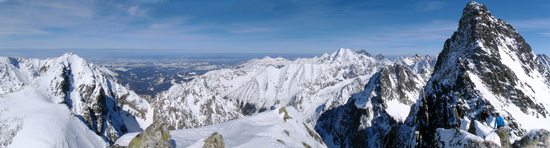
{"type": "Point", "coordinates": [475, 7]}
{"type": "Point", "coordinates": [484, 67]}
{"type": "Point", "coordinates": [474, 11]}
{"type": "Point", "coordinates": [481, 34]}
{"type": "Point", "coordinates": [343, 52]}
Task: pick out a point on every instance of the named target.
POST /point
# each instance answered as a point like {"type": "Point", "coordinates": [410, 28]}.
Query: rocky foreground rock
{"type": "Point", "coordinates": [155, 136]}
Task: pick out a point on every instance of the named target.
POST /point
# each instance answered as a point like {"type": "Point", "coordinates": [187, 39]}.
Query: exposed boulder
{"type": "Point", "coordinates": [156, 135]}
{"type": "Point", "coordinates": [504, 137]}
{"type": "Point", "coordinates": [214, 141]}
{"type": "Point", "coordinates": [535, 138]}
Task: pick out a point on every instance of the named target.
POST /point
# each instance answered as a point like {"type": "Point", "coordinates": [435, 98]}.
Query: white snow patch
{"type": "Point", "coordinates": [526, 121]}
{"type": "Point", "coordinates": [46, 123]}
{"type": "Point", "coordinates": [465, 123]}
{"type": "Point", "coordinates": [398, 110]}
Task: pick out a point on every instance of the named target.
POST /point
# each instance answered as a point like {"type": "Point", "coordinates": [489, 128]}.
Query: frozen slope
{"type": "Point", "coordinates": [29, 118]}
{"type": "Point", "coordinates": [544, 66]}
{"type": "Point", "coordinates": [282, 127]}
{"type": "Point", "coordinates": [89, 92]}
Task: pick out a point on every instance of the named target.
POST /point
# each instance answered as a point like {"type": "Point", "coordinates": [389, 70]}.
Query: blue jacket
{"type": "Point", "coordinates": [499, 122]}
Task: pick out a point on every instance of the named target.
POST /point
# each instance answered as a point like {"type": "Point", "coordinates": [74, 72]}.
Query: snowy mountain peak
{"type": "Point", "coordinates": [69, 85]}
{"type": "Point", "coordinates": [69, 54]}
{"type": "Point", "coordinates": [70, 57]}
{"type": "Point", "coordinates": [312, 85]}
{"type": "Point", "coordinates": [343, 53]}
{"type": "Point", "coordinates": [419, 64]}
{"type": "Point", "coordinates": [485, 66]}
{"type": "Point", "coordinates": [475, 7]}
{"type": "Point", "coordinates": [346, 55]}
{"type": "Point", "coordinates": [370, 116]}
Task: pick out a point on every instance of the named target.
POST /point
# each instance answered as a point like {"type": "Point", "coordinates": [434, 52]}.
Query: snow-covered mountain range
{"type": "Point", "coordinates": [65, 101]}
{"type": "Point", "coordinates": [348, 98]}
{"type": "Point", "coordinates": [87, 101]}
{"type": "Point", "coordinates": [371, 115]}
{"type": "Point", "coordinates": [485, 67]}
{"type": "Point", "coordinates": [312, 85]}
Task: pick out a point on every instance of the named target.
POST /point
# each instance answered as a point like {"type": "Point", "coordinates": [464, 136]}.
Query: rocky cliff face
{"type": "Point", "coordinates": [90, 92]}
{"type": "Point", "coordinates": [535, 138]}
{"type": "Point", "coordinates": [544, 66]}
{"type": "Point", "coordinates": [372, 117]}
{"type": "Point", "coordinates": [485, 66]}
{"type": "Point", "coordinates": [193, 104]}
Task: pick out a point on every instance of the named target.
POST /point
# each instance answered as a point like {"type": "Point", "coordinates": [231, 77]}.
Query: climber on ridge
{"type": "Point", "coordinates": [502, 131]}
{"type": "Point", "coordinates": [499, 122]}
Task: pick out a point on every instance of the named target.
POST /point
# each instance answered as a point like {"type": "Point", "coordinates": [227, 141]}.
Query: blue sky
{"type": "Point", "coordinates": [389, 27]}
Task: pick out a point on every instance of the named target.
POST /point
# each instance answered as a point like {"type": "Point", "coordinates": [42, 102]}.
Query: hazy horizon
{"type": "Point", "coordinates": [163, 54]}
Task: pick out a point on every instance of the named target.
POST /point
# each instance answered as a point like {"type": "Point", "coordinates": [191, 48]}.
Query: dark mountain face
{"type": "Point", "coordinates": [369, 119]}
{"type": "Point", "coordinates": [544, 66]}
{"type": "Point", "coordinates": [484, 67]}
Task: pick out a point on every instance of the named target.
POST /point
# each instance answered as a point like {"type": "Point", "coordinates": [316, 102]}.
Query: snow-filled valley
{"type": "Point", "coordinates": [282, 127]}
{"type": "Point", "coordinates": [346, 98]}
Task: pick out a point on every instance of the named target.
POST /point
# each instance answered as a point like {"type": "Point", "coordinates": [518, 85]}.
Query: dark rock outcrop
{"type": "Point", "coordinates": [214, 141]}
{"type": "Point", "coordinates": [368, 119]}
{"type": "Point", "coordinates": [536, 138]}
{"type": "Point", "coordinates": [156, 135]}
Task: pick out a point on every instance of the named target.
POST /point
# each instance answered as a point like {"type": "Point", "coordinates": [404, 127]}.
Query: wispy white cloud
{"type": "Point", "coordinates": [83, 17]}
{"type": "Point", "coordinates": [536, 26]}
{"type": "Point", "coordinates": [546, 34]}
{"type": "Point", "coordinates": [538, 23]}
{"type": "Point", "coordinates": [248, 30]}
{"type": "Point", "coordinates": [245, 25]}
{"type": "Point", "coordinates": [429, 5]}
{"type": "Point", "coordinates": [421, 38]}
{"type": "Point", "coordinates": [35, 17]}
{"type": "Point", "coordinates": [136, 10]}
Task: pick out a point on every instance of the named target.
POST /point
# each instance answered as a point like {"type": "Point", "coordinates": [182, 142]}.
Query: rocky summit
{"type": "Point", "coordinates": [485, 67]}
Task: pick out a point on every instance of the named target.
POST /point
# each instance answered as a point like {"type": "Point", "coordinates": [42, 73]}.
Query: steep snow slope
{"type": "Point", "coordinates": [194, 105]}
{"type": "Point", "coordinates": [282, 127]}
{"type": "Point", "coordinates": [544, 66]}
{"type": "Point", "coordinates": [29, 118]}
{"type": "Point", "coordinates": [312, 85]}
{"type": "Point", "coordinates": [89, 92]}
{"type": "Point", "coordinates": [371, 117]}
{"type": "Point", "coordinates": [485, 66]}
